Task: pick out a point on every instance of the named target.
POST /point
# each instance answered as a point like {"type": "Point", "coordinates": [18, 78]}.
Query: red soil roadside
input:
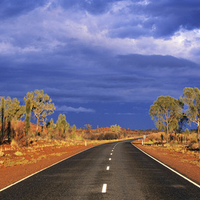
{"type": "Point", "coordinates": [183, 163]}
{"type": "Point", "coordinates": [10, 175]}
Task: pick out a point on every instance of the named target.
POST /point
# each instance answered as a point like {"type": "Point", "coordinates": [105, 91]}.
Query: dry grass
{"type": "Point", "coordinates": [1, 153]}
{"type": "Point", "coordinates": [18, 153]}
{"type": "Point", "coordinates": [178, 151]}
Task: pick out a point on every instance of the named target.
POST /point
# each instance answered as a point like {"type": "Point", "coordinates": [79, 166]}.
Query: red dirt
{"type": "Point", "coordinates": [44, 157]}
{"type": "Point", "coordinates": [184, 163]}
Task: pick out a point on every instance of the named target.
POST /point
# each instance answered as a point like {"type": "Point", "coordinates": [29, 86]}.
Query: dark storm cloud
{"type": "Point", "coordinates": [168, 16]}
{"type": "Point", "coordinates": [157, 18]}
{"type": "Point", "coordinates": [78, 95]}
{"type": "Point", "coordinates": [11, 8]}
{"type": "Point", "coordinates": [154, 61]}
{"type": "Point", "coordinates": [129, 32]}
{"type": "Point", "coordinates": [90, 77]}
{"type": "Point", "coordinates": [93, 6]}
{"type": "Point", "coordinates": [97, 55]}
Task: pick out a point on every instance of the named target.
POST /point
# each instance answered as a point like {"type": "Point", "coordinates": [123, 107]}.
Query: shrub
{"type": "Point", "coordinates": [155, 137]}
{"type": "Point", "coordinates": [193, 146]}
{"type": "Point", "coordinates": [14, 143]}
{"type": "Point", "coordinates": [1, 153]}
{"type": "Point", "coordinates": [18, 153]}
{"type": "Point", "coordinates": [110, 136]}
{"type": "Point", "coordinates": [100, 137]}
{"type": "Point", "coordinates": [94, 137]}
{"type": "Point", "coordinates": [187, 131]}
{"type": "Point", "coordinates": [172, 137]}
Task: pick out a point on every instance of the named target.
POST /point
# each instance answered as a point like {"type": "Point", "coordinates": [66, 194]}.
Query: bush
{"type": "Point", "coordinates": [193, 141]}
{"type": "Point", "coordinates": [156, 137]}
{"type": "Point", "coordinates": [110, 136]}
{"type": "Point", "coordinates": [172, 137]}
{"type": "Point", "coordinates": [105, 136]}
{"type": "Point", "coordinates": [187, 131]}
{"type": "Point", "coordinates": [100, 137]}
{"type": "Point", "coordinates": [18, 153]}
{"type": "Point", "coordinates": [94, 137]}
{"type": "Point", "coordinates": [193, 146]}
{"type": "Point", "coordinates": [14, 144]}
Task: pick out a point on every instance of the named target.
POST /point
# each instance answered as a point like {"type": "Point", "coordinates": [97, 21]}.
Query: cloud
{"type": "Point", "coordinates": [77, 110]}
{"type": "Point", "coordinates": [95, 7]}
{"type": "Point", "coordinates": [11, 8]}
{"type": "Point", "coordinates": [91, 77]}
{"type": "Point", "coordinates": [65, 28]}
{"type": "Point", "coordinates": [69, 46]}
{"type": "Point", "coordinates": [169, 16]}
{"type": "Point", "coordinates": [126, 114]}
{"type": "Point", "coordinates": [157, 19]}
{"type": "Point", "coordinates": [86, 52]}
{"type": "Point", "coordinates": [132, 61]}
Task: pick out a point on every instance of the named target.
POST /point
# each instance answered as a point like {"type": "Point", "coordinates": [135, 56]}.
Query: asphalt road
{"type": "Point", "coordinates": [110, 171]}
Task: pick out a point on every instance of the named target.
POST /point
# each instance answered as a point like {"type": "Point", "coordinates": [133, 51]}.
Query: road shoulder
{"type": "Point", "coordinates": [175, 161]}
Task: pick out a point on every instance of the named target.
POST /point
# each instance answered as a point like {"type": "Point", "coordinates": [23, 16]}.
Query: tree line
{"type": "Point", "coordinates": [37, 104]}
{"type": "Point", "coordinates": [171, 114]}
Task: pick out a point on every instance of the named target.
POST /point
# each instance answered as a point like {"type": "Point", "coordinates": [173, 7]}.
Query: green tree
{"type": "Point", "coordinates": [10, 110]}
{"type": "Point", "coordinates": [183, 122]}
{"type": "Point", "coordinates": [62, 125]}
{"type": "Point", "coordinates": [13, 111]}
{"type": "Point", "coordinates": [73, 134]}
{"type": "Point", "coordinates": [74, 128]}
{"type": "Point", "coordinates": [42, 106]}
{"type": "Point", "coordinates": [50, 127]}
{"type": "Point", "coordinates": [166, 112]}
{"type": "Point", "coordinates": [191, 97]}
{"type": "Point", "coordinates": [187, 131]}
{"type": "Point", "coordinates": [115, 128]}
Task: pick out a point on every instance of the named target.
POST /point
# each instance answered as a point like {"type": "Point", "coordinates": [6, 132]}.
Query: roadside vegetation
{"type": "Point", "coordinates": [172, 115]}
{"type": "Point", "coordinates": [15, 123]}
{"type": "Point", "coordinates": [172, 118]}
{"type": "Point", "coordinates": [21, 140]}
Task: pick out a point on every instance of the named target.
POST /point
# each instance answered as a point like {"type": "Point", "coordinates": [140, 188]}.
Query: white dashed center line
{"type": "Point", "coordinates": [104, 188]}
{"type": "Point", "coordinates": [109, 158]}
{"type": "Point", "coordinates": [111, 154]}
{"type": "Point", "coordinates": [108, 168]}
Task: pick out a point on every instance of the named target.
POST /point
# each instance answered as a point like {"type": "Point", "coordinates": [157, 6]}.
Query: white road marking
{"type": "Point", "coordinates": [168, 167]}
{"type": "Point", "coordinates": [116, 145]}
{"type": "Point", "coordinates": [111, 154]}
{"type": "Point", "coordinates": [45, 168]}
{"type": "Point", "coordinates": [109, 158]}
{"type": "Point", "coordinates": [104, 188]}
{"type": "Point", "coordinates": [112, 149]}
{"type": "Point", "coordinates": [108, 168]}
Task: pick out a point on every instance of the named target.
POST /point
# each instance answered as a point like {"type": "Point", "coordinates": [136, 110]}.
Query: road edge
{"type": "Point", "coordinates": [176, 172]}
{"type": "Point", "coordinates": [46, 168]}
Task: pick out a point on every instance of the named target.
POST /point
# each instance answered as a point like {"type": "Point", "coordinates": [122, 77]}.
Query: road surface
{"type": "Point", "coordinates": [109, 171]}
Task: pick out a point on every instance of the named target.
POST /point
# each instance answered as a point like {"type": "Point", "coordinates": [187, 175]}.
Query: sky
{"type": "Point", "coordinates": [101, 62]}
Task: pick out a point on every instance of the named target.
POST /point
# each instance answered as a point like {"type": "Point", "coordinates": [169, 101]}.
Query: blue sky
{"type": "Point", "coordinates": [101, 62]}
